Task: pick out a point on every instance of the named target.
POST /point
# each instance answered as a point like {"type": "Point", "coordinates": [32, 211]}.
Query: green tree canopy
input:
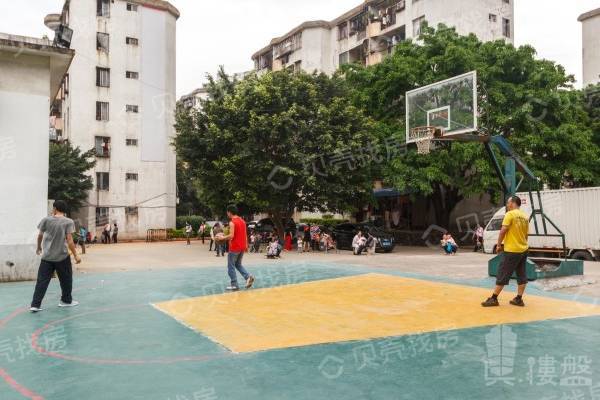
{"type": "Point", "coordinates": [531, 101]}
{"type": "Point", "coordinates": [276, 142]}
{"type": "Point", "coordinates": [67, 179]}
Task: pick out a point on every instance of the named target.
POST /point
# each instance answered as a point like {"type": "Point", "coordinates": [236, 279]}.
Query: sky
{"type": "Point", "coordinates": [228, 32]}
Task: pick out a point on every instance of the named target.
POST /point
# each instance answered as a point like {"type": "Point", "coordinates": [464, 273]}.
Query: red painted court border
{"type": "Point", "coordinates": [22, 390]}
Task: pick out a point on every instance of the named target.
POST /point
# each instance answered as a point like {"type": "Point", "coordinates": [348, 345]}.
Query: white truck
{"type": "Point", "coordinates": [576, 212]}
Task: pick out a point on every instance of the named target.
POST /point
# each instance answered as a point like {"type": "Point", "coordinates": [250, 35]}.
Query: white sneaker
{"type": "Point", "coordinates": [35, 309]}
{"type": "Point", "coordinates": [232, 288]}
{"type": "Point", "coordinates": [72, 304]}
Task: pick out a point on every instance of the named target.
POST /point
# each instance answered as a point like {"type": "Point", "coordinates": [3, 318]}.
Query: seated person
{"type": "Point", "coordinates": [274, 248]}
{"type": "Point", "coordinates": [359, 243]}
{"type": "Point", "coordinates": [449, 244]}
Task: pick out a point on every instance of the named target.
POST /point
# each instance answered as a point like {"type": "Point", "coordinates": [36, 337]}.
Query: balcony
{"type": "Point", "coordinates": [102, 147]}
{"type": "Point", "coordinates": [288, 46]}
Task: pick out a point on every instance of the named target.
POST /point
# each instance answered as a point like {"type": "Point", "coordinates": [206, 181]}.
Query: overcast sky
{"type": "Point", "coordinates": [228, 32]}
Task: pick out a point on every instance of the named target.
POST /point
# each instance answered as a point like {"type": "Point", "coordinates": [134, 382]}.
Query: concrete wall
{"type": "Point", "coordinates": [24, 106]}
{"type": "Point", "coordinates": [591, 50]}
{"type": "Point", "coordinates": [321, 48]}
{"type": "Point", "coordinates": [154, 193]}
{"type": "Point", "coordinates": [468, 16]}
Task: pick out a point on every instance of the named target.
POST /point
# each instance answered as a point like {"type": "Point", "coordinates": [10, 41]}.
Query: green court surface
{"type": "Point", "coordinates": [119, 345]}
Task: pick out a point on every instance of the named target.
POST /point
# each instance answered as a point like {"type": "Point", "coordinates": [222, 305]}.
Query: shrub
{"type": "Point", "coordinates": [194, 220]}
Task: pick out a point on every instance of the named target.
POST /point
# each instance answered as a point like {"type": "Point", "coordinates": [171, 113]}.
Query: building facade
{"type": "Point", "coordinates": [590, 22]}
{"type": "Point", "coordinates": [368, 32]}
{"type": "Point", "coordinates": [31, 71]}
{"type": "Point", "coordinates": [119, 99]}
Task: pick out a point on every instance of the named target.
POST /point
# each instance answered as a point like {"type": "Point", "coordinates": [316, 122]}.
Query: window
{"type": "Point", "coordinates": [131, 176]}
{"type": "Point", "coordinates": [102, 41]}
{"type": "Point", "coordinates": [343, 31]}
{"type": "Point", "coordinates": [418, 25]}
{"type": "Point", "coordinates": [131, 75]}
{"type": "Point", "coordinates": [506, 27]}
{"type": "Point", "coordinates": [131, 142]}
{"type": "Point", "coordinates": [101, 111]}
{"type": "Point", "coordinates": [102, 77]}
{"type": "Point", "coordinates": [492, 17]}
{"type": "Point", "coordinates": [103, 8]}
{"type": "Point", "coordinates": [131, 7]}
{"type": "Point", "coordinates": [131, 108]}
{"type": "Point", "coordinates": [132, 41]}
{"type": "Point", "coordinates": [131, 211]}
{"type": "Point", "coordinates": [495, 224]}
{"type": "Point", "coordinates": [102, 146]}
{"type": "Point", "coordinates": [101, 216]}
{"type": "Point", "coordinates": [102, 181]}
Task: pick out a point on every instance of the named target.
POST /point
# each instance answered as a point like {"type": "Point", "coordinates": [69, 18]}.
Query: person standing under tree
{"type": "Point", "coordinates": [115, 233]}
{"type": "Point", "coordinates": [82, 238]}
{"type": "Point", "coordinates": [188, 232]}
{"type": "Point", "coordinates": [55, 234]}
{"type": "Point", "coordinates": [512, 242]}
{"type": "Point", "coordinates": [201, 231]}
{"type": "Point", "coordinates": [106, 234]}
{"type": "Point", "coordinates": [238, 244]}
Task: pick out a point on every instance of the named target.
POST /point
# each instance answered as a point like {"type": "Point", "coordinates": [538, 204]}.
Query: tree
{"type": "Point", "coordinates": [187, 193]}
{"type": "Point", "coordinates": [276, 142]}
{"type": "Point", "coordinates": [531, 101]}
{"type": "Point", "coordinates": [67, 178]}
{"type": "Point", "coordinates": [592, 107]}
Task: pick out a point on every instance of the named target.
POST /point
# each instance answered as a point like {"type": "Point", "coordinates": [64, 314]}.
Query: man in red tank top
{"type": "Point", "coordinates": [238, 244]}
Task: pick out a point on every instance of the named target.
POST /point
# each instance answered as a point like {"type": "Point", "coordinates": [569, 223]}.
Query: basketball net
{"type": "Point", "coordinates": [423, 138]}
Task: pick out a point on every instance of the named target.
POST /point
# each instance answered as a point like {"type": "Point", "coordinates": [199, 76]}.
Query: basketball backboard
{"type": "Point", "coordinates": [450, 105]}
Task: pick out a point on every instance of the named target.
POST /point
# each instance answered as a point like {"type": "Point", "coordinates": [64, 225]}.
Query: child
{"type": "Point", "coordinates": [300, 245]}
{"type": "Point", "coordinates": [273, 249]}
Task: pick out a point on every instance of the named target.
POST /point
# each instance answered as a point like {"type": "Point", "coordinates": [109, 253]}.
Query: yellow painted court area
{"type": "Point", "coordinates": [354, 308]}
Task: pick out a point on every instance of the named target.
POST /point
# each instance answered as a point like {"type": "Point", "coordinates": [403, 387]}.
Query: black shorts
{"type": "Point", "coordinates": [511, 263]}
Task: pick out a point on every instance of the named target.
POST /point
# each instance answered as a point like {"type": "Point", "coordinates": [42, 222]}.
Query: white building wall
{"type": "Point", "coordinates": [153, 159]}
{"type": "Point", "coordinates": [591, 50]}
{"type": "Point", "coordinates": [467, 16]}
{"type": "Point", "coordinates": [24, 105]}
{"type": "Point", "coordinates": [321, 48]}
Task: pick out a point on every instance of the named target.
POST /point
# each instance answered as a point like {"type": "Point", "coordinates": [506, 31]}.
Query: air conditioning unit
{"type": "Point", "coordinates": [63, 36]}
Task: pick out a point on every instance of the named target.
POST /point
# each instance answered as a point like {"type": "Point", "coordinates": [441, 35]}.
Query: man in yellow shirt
{"type": "Point", "coordinates": [512, 241]}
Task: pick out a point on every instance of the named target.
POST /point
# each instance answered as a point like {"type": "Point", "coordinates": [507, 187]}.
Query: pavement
{"type": "Point", "coordinates": [466, 265]}
{"type": "Point", "coordinates": [155, 322]}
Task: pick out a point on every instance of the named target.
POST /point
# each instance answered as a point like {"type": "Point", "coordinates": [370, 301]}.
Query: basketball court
{"type": "Point", "coordinates": [308, 330]}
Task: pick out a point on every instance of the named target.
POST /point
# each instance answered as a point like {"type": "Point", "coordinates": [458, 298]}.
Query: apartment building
{"type": "Point", "coordinates": [368, 32]}
{"type": "Point", "coordinates": [590, 22]}
{"type": "Point", "coordinates": [119, 99]}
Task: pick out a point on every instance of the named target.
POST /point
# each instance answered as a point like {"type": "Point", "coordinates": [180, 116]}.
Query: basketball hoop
{"type": "Point", "coordinates": [423, 137]}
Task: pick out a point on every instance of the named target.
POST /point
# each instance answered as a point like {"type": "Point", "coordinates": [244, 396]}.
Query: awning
{"type": "Point", "coordinates": [389, 192]}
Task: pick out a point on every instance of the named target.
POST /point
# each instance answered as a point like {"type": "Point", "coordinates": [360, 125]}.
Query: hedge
{"type": "Point", "coordinates": [327, 222]}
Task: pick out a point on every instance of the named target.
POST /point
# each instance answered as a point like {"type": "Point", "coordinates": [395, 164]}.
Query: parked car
{"type": "Point", "coordinates": [344, 234]}
{"type": "Point", "coordinates": [267, 225]}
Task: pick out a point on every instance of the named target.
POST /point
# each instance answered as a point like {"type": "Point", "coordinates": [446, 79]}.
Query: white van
{"type": "Point", "coordinates": [576, 212]}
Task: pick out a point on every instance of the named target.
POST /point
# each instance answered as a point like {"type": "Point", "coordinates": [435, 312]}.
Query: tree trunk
{"type": "Point", "coordinates": [277, 218]}
{"type": "Point", "coordinates": [444, 200]}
